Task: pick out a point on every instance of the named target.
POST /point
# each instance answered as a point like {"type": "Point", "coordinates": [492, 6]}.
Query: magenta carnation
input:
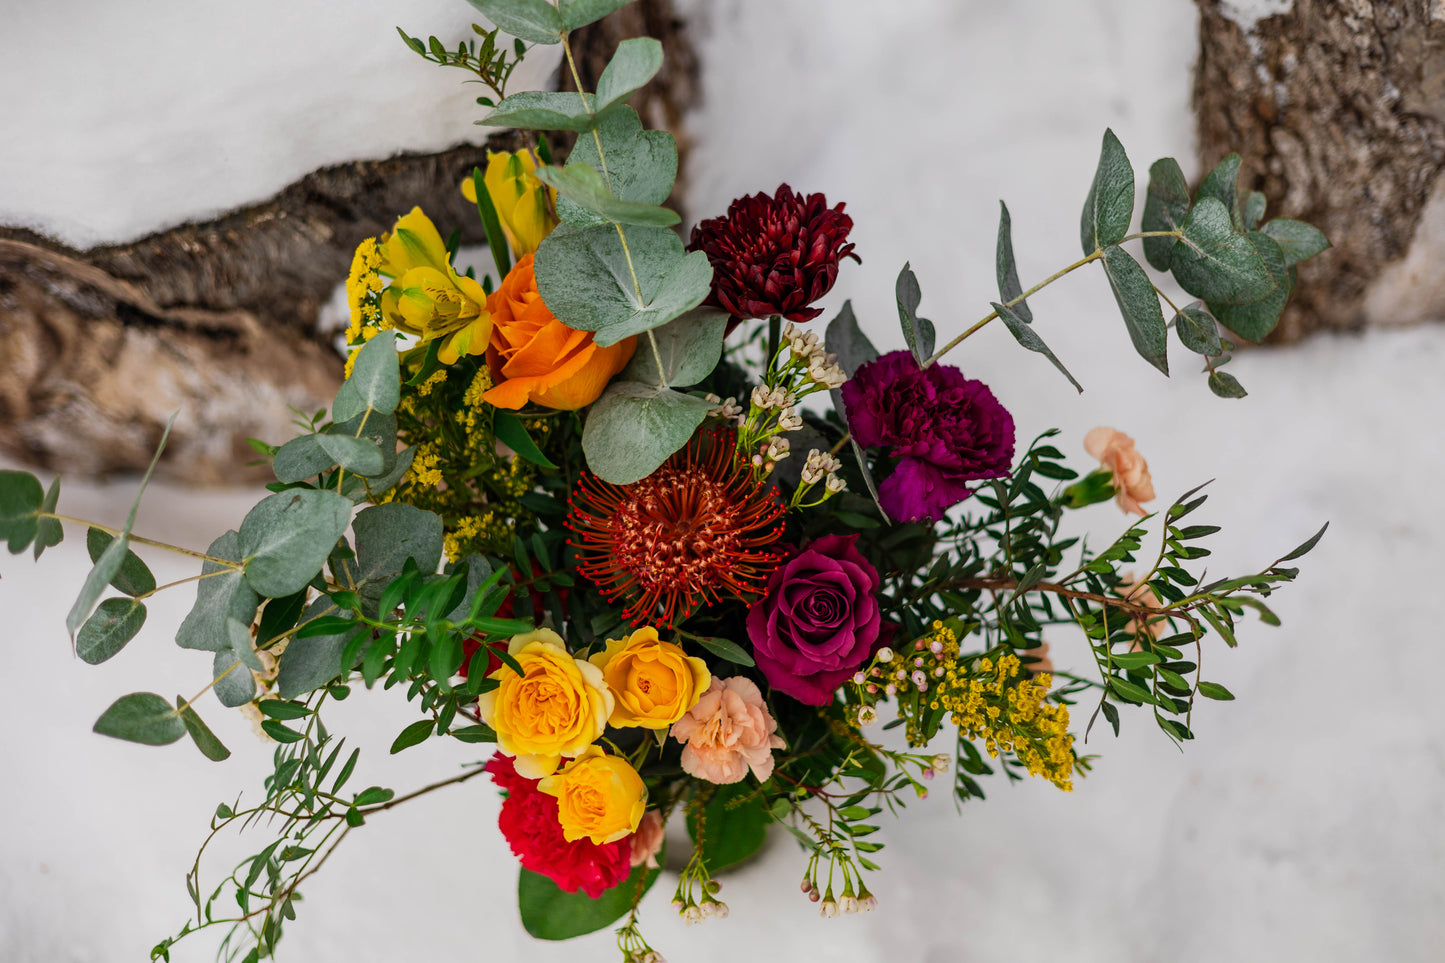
{"type": "Point", "coordinates": [944, 429]}
{"type": "Point", "coordinates": [819, 621]}
{"type": "Point", "coordinates": [774, 255]}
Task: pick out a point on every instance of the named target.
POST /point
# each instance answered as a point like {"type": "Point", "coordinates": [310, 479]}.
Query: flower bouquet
{"type": "Point", "coordinates": [621, 514]}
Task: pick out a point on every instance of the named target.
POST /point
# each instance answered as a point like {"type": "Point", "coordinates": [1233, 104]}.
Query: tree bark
{"type": "Point", "coordinates": [1338, 110]}
{"type": "Point", "coordinates": [219, 320]}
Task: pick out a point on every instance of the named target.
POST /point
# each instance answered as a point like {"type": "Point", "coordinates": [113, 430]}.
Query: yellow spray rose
{"type": "Point", "coordinates": [557, 707]}
{"type": "Point", "coordinates": [524, 205]}
{"type": "Point", "coordinates": [599, 797]}
{"type": "Point", "coordinates": [653, 683]}
{"type": "Point", "coordinates": [427, 298]}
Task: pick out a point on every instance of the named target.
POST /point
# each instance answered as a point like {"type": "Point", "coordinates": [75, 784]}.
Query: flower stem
{"type": "Point", "coordinates": [141, 540]}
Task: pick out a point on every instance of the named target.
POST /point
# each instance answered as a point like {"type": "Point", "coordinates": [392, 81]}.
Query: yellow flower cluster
{"type": "Point", "coordinates": [1009, 711]}
{"type": "Point", "coordinates": [363, 292]}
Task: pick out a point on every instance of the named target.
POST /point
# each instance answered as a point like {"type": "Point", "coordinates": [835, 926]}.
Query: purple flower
{"type": "Point", "coordinates": [819, 622]}
{"type": "Point", "coordinates": [945, 430]}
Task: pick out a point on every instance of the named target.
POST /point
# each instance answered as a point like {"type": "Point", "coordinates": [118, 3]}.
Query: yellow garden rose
{"type": "Point", "coordinates": [523, 205]}
{"type": "Point", "coordinates": [427, 298]}
{"type": "Point", "coordinates": [653, 683]}
{"type": "Point", "coordinates": [599, 797]}
{"type": "Point", "coordinates": [557, 707]}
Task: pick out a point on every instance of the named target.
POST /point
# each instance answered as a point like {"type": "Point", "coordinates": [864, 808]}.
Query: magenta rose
{"type": "Point", "coordinates": [945, 430]}
{"type": "Point", "coordinates": [819, 622]}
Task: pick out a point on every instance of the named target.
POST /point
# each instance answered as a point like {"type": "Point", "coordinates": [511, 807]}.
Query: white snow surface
{"type": "Point", "coordinates": [1303, 824]}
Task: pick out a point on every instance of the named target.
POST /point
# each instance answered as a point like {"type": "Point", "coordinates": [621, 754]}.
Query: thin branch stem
{"type": "Point", "coordinates": [141, 540]}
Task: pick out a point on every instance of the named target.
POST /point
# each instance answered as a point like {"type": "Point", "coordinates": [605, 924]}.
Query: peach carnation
{"type": "Point", "coordinates": [647, 840]}
{"type": "Point", "coordinates": [1115, 451]}
{"type": "Point", "coordinates": [727, 733]}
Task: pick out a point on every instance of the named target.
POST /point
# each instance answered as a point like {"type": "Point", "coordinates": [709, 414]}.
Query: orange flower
{"type": "Point", "coordinates": [1115, 451]}
{"type": "Point", "coordinates": [534, 357]}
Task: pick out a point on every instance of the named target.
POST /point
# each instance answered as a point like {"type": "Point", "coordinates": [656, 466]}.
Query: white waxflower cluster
{"type": "Point", "coordinates": [764, 398]}
{"type": "Point", "coordinates": [723, 407]}
{"type": "Point", "coordinates": [822, 366]}
{"type": "Point", "coordinates": [821, 465]}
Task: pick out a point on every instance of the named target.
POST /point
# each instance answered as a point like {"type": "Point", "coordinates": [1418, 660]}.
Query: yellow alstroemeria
{"type": "Point", "coordinates": [524, 206]}
{"type": "Point", "coordinates": [428, 298]}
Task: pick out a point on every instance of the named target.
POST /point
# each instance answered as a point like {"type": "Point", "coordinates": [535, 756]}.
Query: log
{"type": "Point", "coordinates": [1338, 110]}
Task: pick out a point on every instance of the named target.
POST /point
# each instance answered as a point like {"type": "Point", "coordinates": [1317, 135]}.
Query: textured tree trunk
{"type": "Point", "coordinates": [1338, 109]}
{"type": "Point", "coordinates": [219, 320]}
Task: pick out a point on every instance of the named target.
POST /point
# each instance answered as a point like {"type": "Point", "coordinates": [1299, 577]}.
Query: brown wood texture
{"type": "Point", "coordinates": [1338, 110]}
{"type": "Point", "coordinates": [219, 319]}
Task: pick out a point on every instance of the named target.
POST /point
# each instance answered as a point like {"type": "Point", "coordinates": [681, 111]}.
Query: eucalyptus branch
{"type": "Point", "coordinates": [141, 540]}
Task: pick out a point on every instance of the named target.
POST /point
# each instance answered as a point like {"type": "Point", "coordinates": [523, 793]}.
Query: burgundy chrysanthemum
{"type": "Point", "coordinates": [693, 531]}
{"type": "Point", "coordinates": [774, 255]}
{"type": "Point", "coordinates": [530, 825]}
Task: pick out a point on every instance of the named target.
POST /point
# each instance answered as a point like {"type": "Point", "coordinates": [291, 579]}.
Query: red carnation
{"type": "Point", "coordinates": [774, 255]}
{"type": "Point", "coordinates": [529, 824]}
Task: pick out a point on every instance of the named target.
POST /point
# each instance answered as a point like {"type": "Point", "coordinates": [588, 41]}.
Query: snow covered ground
{"type": "Point", "coordinates": [1302, 825]}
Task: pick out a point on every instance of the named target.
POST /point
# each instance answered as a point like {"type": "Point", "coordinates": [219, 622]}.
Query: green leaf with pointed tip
{"type": "Point", "coordinates": [491, 225]}
{"type": "Point", "coordinates": [1139, 304]}
{"type": "Point", "coordinates": [1166, 205]}
{"type": "Point", "coordinates": [1213, 690]}
{"type": "Point", "coordinates": [375, 382]}
{"type": "Point", "coordinates": [299, 459]}
{"type": "Point", "coordinates": [1197, 330]}
{"type": "Point", "coordinates": [641, 164]}
{"type": "Point", "coordinates": [105, 569]}
{"type": "Point", "coordinates": [724, 649]}
{"type": "Point", "coordinates": [1256, 320]}
{"type": "Point", "coordinates": [311, 662]}
{"type": "Point", "coordinates": [1299, 241]}
{"type": "Point", "coordinates": [220, 595]}
{"type": "Point", "coordinates": [733, 827]}
{"type": "Point", "coordinates": [1225, 385]}
{"type": "Point", "coordinates": [377, 486]}
{"type": "Point", "coordinates": [1222, 183]}
{"type": "Point", "coordinates": [1110, 205]}
{"type": "Point", "coordinates": [585, 278]}
{"type": "Point", "coordinates": [414, 734]}
{"type": "Point", "coordinates": [544, 110]}
{"type": "Point", "coordinates": [201, 734]}
{"type": "Point", "coordinates": [1008, 272]}
{"type": "Point", "coordinates": [633, 428]}
{"type": "Point", "coordinates": [1212, 262]}
{"type": "Point", "coordinates": [583, 185]}
{"type": "Point", "coordinates": [1026, 336]}
{"type": "Point", "coordinates": [846, 339]}
{"type": "Point", "coordinates": [511, 432]}
{"type": "Point", "coordinates": [106, 632]}
{"type": "Point", "coordinates": [636, 61]}
{"type": "Point", "coordinates": [579, 13]}
{"type": "Point", "coordinates": [689, 346]}
{"type": "Point", "coordinates": [533, 20]}
{"type": "Point", "coordinates": [550, 913]}
{"type": "Point", "coordinates": [918, 332]}
{"type": "Point", "coordinates": [235, 685]}
{"type": "Point", "coordinates": [48, 531]}
{"type": "Point", "coordinates": [1308, 545]}
{"type": "Point", "coordinates": [287, 537]}
{"type": "Point", "coordinates": [142, 717]}
{"type": "Point", "coordinates": [386, 537]}
{"type": "Point", "coordinates": [1254, 207]}
{"type": "Point", "coordinates": [134, 577]}
{"type": "Point", "coordinates": [21, 496]}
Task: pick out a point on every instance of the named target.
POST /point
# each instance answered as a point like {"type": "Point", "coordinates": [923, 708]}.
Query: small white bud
{"type": "Point", "coordinates": [848, 904]}
{"type": "Point", "coordinates": [941, 762]}
{"type": "Point", "coordinates": [835, 484]}
{"type": "Point", "coordinates": [828, 910]}
{"type": "Point", "coordinates": [867, 716]}
{"type": "Point", "coordinates": [885, 654]}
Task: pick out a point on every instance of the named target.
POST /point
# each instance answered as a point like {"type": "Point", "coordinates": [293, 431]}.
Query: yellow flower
{"type": "Point", "coordinates": [523, 205]}
{"type": "Point", "coordinates": [428, 299]}
{"type": "Point", "coordinates": [557, 707]}
{"type": "Point", "coordinates": [599, 797]}
{"type": "Point", "coordinates": [653, 683]}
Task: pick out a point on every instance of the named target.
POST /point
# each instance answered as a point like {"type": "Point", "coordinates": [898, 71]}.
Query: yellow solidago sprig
{"type": "Point", "coordinates": [524, 206]}
{"type": "Point", "coordinates": [427, 298]}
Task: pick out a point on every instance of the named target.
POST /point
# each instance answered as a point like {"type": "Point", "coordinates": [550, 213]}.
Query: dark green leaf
{"type": "Point", "coordinates": [1225, 385]}
{"type": "Point", "coordinates": [1309, 544]}
{"type": "Point", "coordinates": [1139, 304]}
{"type": "Point", "coordinates": [491, 225]}
{"type": "Point", "coordinates": [1197, 330]}
{"type": "Point", "coordinates": [845, 339]}
{"type": "Point", "coordinates": [641, 164]}
{"type": "Point", "coordinates": [634, 428]}
{"type": "Point", "coordinates": [218, 597]}
{"type": "Point", "coordinates": [1009, 287]}
{"type": "Point", "coordinates": [201, 735]}
{"type": "Point", "coordinates": [235, 685]}
{"type": "Point", "coordinates": [106, 632]}
{"type": "Point", "coordinates": [724, 649]}
{"type": "Point", "coordinates": [1298, 240]}
{"type": "Point", "coordinates": [285, 711]}
{"type": "Point", "coordinates": [1026, 336]}
{"type": "Point", "coordinates": [636, 61]}
{"type": "Point", "coordinates": [532, 20]}
{"type": "Point", "coordinates": [1110, 205]}
{"type": "Point", "coordinates": [48, 531]}
{"type": "Point", "coordinates": [134, 578]}
{"type": "Point", "coordinates": [142, 717]}
{"type": "Point", "coordinates": [1129, 691]}
{"type": "Point", "coordinates": [1254, 206]}
{"type": "Point", "coordinates": [512, 433]}
{"type": "Point", "coordinates": [105, 569]}
{"type": "Point", "coordinates": [1222, 183]}
{"type": "Point", "coordinates": [375, 382]}
{"type": "Point", "coordinates": [21, 496]}
{"type": "Point", "coordinates": [733, 826]}
{"type": "Point", "coordinates": [412, 735]}
{"type": "Point", "coordinates": [279, 732]}
{"type": "Point", "coordinates": [544, 110]}
{"type": "Point", "coordinates": [287, 537]}
{"type": "Point", "coordinates": [1212, 262]}
{"type": "Point", "coordinates": [579, 13]}
{"type": "Point", "coordinates": [1256, 320]}
{"type": "Point", "coordinates": [474, 733]}
{"type": "Point", "coordinates": [1134, 660]}
{"type": "Point", "coordinates": [584, 186]}
{"type": "Point", "coordinates": [311, 662]}
{"type": "Point", "coordinates": [373, 796]}
{"type": "Point", "coordinates": [1166, 204]}
{"type": "Point", "coordinates": [1213, 690]}
{"type": "Point", "coordinates": [689, 348]}
{"type": "Point", "coordinates": [548, 913]}
{"type": "Point", "coordinates": [918, 332]}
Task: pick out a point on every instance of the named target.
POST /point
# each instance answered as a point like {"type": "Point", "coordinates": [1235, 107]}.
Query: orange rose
{"type": "Point", "coordinates": [534, 357]}
{"type": "Point", "coordinates": [1115, 451]}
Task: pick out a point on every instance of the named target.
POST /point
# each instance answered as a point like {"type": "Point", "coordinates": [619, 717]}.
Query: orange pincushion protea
{"type": "Point", "coordinates": [692, 532]}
